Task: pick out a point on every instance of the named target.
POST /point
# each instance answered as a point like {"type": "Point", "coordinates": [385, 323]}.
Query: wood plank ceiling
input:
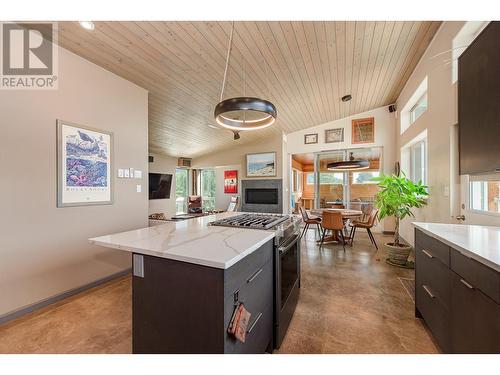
{"type": "Point", "coordinates": [304, 68]}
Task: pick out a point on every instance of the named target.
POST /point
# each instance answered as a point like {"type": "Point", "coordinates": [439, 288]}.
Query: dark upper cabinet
{"type": "Point", "coordinates": [478, 103]}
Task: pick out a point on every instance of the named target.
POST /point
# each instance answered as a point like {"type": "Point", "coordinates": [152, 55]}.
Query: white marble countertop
{"type": "Point", "coordinates": [476, 241]}
{"type": "Point", "coordinates": [192, 241]}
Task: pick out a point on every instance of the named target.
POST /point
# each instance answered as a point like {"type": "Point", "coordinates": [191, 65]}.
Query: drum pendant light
{"type": "Point", "coordinates": [348, 165]}
{"type": "Point", "coordinates": [242, 113]}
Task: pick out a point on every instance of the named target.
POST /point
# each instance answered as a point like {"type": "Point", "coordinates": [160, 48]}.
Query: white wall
{"type": "Point", "coordinates": [222, 200]}
{"type": "Point", "coordinates": [44, 249]}
{"type": "Point", "coordinates": [235, 158]}
{"type": "Point", "coordinates": [385, 136]}
{"type": "Point", "coordinates": [167, 165]}
{"type": "Point", "coordinates": [440, 120]}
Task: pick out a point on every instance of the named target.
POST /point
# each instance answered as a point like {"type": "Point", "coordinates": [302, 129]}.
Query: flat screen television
{"type": "Point", "coordinates": [159, 185]}
{"type": "Point", "coordinates": [479, 103]}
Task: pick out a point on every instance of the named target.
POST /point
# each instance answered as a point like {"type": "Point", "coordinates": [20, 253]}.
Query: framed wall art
{"type": "Point", "coordinates": [310, 138]}
{"type": "Point", "coordinates": [261, 165]}
{"type": "Point", "coordinates": [334, 135]}
{"type": "Point", "coordinates": [363, 130]}
{"type": "Point", "coordinates": [231, 182]}
{"type": "Point", "coordinates": [84, 165]}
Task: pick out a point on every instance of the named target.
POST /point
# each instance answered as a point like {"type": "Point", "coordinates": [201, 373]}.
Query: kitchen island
{"type": "Point", "coordinates": [189, 276]}
{"type": "Point", "coordinates": [457, 285]}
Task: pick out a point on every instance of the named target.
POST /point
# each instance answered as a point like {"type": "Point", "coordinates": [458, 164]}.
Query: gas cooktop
{"type": "Point", "coordinates": [251, 221]}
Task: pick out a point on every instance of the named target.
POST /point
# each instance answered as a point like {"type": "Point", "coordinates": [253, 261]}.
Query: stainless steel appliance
{"type": "Point", "coordinates": [286, 262]}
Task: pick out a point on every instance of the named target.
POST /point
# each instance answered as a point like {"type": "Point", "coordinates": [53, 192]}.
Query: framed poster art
{"type": "Point", "coordinates": [231, 182]}
{"type": "Point", "coordinates": [84, 165]}
{"type": "Point", "coordinates": [334, 135]}
{"type": "Point", "coordinates": [310, 138]}
{"type": "Point", "coordinates": [363, 130]}
{"type": "Point", "coordinates": [261, 165]}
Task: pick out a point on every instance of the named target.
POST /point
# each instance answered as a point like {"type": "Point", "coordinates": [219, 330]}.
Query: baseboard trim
{"type": "Point", "coordinates": [58, 297]}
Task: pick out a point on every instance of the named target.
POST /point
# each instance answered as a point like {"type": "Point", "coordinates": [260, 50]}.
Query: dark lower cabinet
{"type": "Point", "coordinates": [475, 319]}
{"type": "Point", "coordinates": [463, 315]}
{"type": "Point", "coordinates": [178, 307]}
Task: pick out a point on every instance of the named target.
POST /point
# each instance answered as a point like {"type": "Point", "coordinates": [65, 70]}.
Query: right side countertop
{"type": "Point", "coordinates": [476, 241]}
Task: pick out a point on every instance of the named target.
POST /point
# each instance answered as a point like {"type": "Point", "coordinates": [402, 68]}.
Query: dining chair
{"type": "Point", "coordinates": [308, 220]}
{"type": "Point", "coordinates": [368, 223]}
{"type": "Point", "coordinates": [333, 221]}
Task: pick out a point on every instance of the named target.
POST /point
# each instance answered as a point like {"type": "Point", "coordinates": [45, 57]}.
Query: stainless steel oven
{"type": "Point", "coordinates": [287, 282]}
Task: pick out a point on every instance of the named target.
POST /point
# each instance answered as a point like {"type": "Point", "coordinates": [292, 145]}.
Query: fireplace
{"type": "Point", "coordinates": [262, 196]}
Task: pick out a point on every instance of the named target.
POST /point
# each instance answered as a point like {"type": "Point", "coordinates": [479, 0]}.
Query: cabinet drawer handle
{"type": "Point", "coordinates": [428, 291]}
{"type": "Point", "coordinates": [254, 276]}
{"type": "Point", "coordinates": [427, 253]}
{"type": "Point", "coordinates": [254, 323]}
{"type": "Point", "coordinates": [466, 284]}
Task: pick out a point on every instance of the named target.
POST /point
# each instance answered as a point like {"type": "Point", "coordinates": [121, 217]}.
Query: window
{"type": "Point", "coordinates": [418, 109]}
{"type": "Point", "coordinates": [418, 162]}
{"type": "Point", "coordinates": [364, 177]}
{"type": "Point", "coordinates": [415, 107]}
{"type": "Point", "coordinates": [181, 190]}
{"type": "Point", "coordinates": [297, 180]}
{"type": "Point", "coordinates": [326, 178]}
{"type": "Point", "coordinates": [208, 189]}
{"type": "Point", "coordinates": [485, 195]}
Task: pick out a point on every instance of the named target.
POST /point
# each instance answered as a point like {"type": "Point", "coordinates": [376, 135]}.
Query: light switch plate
{"type": "Point", "coordinates": [126, 173]}
{"type": "Point", "coordinates": [131, 173]}
{"type": "Point", "coordinates": [120, 173]}
{"type": "Point", "coordinates": [138, 188]}
{"type": "Point", "coordinates": [137, 174]}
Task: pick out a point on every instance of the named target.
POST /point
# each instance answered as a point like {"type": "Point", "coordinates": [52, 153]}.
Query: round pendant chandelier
{"type": "Point", "coordinates": [348, 165]}
{"type": "Point", "coordinates": [242, 113]}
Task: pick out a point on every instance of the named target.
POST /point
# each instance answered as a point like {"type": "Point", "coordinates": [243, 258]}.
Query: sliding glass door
{"type": "Point", "coordinates": [207, 178]}
{"type": "Point", "coordinates": [353, 189]}
{"type": "Point", "coordinates": [181, 190]}
{"type": "Point", "coordinates": [330, 185]}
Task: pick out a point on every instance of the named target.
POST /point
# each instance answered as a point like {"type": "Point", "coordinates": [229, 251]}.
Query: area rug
{"type": "Point", "coordinates": [409, 286]}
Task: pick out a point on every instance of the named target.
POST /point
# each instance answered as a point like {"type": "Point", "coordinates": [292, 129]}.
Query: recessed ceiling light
{"type": "Point", "coordinates": [346, 98]}
{"type": "Point", "coordinates": [87, 25]}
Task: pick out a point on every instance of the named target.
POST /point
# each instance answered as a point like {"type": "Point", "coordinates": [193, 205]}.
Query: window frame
{"type": "Point", "coordinates": [424, 157]}
{"type": "Point", "coordinates": [203, 200]}
{"type": "Point", "coordinates": [185, 198]}
{"type": "Point", "coordinates": [468, 197]}
{"type": "Point", "coordinates": [413, 119]}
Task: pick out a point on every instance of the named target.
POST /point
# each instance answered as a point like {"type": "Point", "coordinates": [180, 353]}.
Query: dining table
{"type": "Point", "coordinates": [347, 214]}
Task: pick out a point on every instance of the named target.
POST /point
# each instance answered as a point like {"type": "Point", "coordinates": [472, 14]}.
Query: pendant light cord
{"type": "Point", "coordinates": [227, 61]}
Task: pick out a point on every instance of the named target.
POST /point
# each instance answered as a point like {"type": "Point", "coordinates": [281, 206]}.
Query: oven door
{"type": "Point", "coordinates": [288, 282]}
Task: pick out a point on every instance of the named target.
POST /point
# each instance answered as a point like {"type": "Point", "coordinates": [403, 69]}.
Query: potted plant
{"type": "Point", "coordinates": [396, 197]}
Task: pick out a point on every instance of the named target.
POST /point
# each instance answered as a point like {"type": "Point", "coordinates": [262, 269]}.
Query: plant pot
{"type": "Point", "coordinates": [398, 254]}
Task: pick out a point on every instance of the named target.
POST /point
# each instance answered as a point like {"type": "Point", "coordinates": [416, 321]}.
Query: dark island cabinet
{"type": "Point", "coordinates": [179, 307]}
{"type": "Point", "coordinates": [458, 297]}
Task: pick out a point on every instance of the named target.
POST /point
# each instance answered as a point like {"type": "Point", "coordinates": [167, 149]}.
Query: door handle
{"type": "Point", "coordinates": [466, 284]}
{"type": "Point", "coordinates": [254, 276]}
{"type": "Point", "coordinates": [254, 323]}
{"type": "Point", "coordinates": [460, 217]}
{"type": "Point", "coordinates": [427, 253]}
{"type": "Point", "coordinates": [428, 291]}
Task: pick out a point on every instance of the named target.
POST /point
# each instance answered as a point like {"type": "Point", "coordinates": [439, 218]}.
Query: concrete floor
{"type": "Point", "coordinates": [350, 302]}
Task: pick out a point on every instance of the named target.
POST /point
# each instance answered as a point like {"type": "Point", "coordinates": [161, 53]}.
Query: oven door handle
{"type": "Point", "coordinates": [285, 248]}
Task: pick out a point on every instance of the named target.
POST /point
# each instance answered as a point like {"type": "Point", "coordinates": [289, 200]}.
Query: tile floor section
{"type": "Point", "coordinates": [350, 302]}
